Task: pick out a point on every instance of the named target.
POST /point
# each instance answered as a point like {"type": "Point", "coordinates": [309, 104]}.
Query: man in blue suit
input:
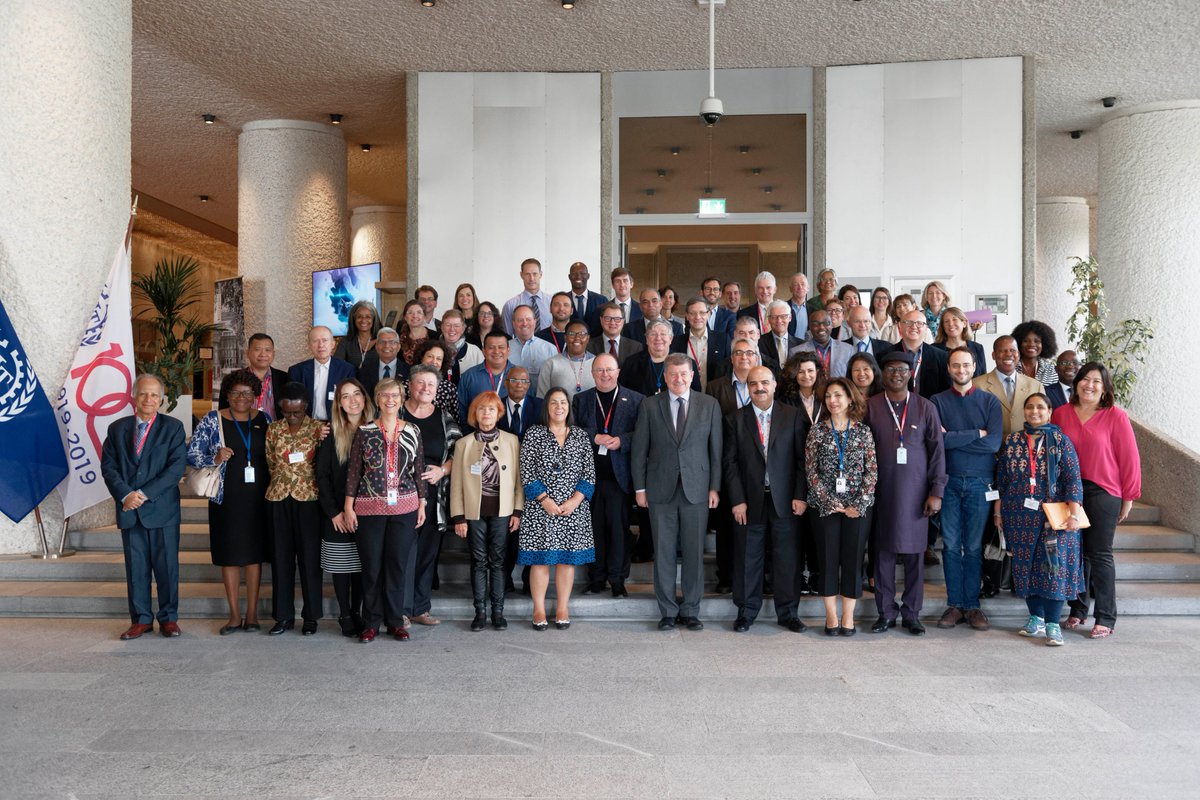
{"type": "Point", "coordinates": [608, 413]}
{"type": "Point", "coordinates": [1066, 366]}
{"type": "Point", "coordinates": [585, 304]}
{"type": "Point", "coordinates": [322, 373]}
{"type": "Point", "coordinates": [720, 319]}
{"type": "Point", "coordinates": [142, 463]}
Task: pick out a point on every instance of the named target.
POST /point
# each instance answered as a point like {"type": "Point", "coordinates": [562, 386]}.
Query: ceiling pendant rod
{"type": "Point", "coordinates": [712, 48]}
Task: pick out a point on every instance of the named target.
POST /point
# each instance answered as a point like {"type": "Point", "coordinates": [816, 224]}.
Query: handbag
{"type": "Point", "coordinates": [206, 481]}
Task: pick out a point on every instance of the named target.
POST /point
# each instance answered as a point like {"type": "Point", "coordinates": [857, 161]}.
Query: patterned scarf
{"type": "Point", "coordinates": [490, 478]}
{"type": "Point", "coordinates": [1050, 431]}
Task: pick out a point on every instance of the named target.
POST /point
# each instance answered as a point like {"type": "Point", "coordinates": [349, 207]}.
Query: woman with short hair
{"type": "Point", "coordinates": [1038, 346]}
{"type": "Point", "coordinates": [439, 355]}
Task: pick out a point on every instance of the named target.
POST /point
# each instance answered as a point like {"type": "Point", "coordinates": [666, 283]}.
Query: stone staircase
{"type": "Point", "coordinates": [1158, 573]}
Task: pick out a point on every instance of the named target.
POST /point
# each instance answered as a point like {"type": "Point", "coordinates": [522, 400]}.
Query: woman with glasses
{"type": "Point", "coordinates": [487, 319]}
{"type": "Point", "coordinates": [883, 323]}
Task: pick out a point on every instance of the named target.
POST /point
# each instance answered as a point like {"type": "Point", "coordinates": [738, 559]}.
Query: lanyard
{"type": "Point", "coordinates": [393, 478]}
{"type": "Point", "coordinates": [607, 416]}
{"type": "Point", "coordinates": [658, 374]}
{"type": "Point", "coordinates": [691, 347]}
{"type": "Point", "coordinates": [267, 393]}
{"type": "Point", "coordinates": [1032, 462]}
{"type": "Point", "coordinates": [492, 377]}
{"type": "Point", "coordinates": [841, 439]}
{"type": "Point", "coordinates": [824, 356]}
{"type": "Point", "coordinates": [554, 336]}
{"type": "Point", "coordinates": [578, 372]}
{"type": "Point", "coordinates": [244, 436]}
{"type": "Point", "coordinates": [741, 401]}
{"type": "Point", "coordinates": [141, 440]}
{"type": "Point", "coordinates": [901, 419]}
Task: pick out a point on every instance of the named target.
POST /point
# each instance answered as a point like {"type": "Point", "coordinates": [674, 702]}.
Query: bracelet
{"type": "Point", "coordinates": [541, 498]}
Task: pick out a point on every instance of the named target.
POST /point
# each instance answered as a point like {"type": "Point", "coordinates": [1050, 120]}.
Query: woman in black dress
{"type": "Point", "coordinates": [236, 439]}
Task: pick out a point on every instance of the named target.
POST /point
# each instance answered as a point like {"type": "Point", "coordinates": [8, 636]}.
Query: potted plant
{"type": "Point", "coordinates": [1122, 348]}
{"type": "Point", "coordinates": [167, 296]}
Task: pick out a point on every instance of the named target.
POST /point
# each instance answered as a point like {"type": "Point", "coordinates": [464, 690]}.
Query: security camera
{"type": "Point", "coordinates": [711, 111]}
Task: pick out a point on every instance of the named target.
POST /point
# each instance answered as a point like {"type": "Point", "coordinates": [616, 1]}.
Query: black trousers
{"type": "Point", "coordinates": [807, 558]}
{"type": "Point", "coordinates": [643, 545]}
{"type": "Point", "coordinates": [721, 520]}
{"type": "Point", "coordinates": [347, 586]}
{"type": "Point", "coordinates": [296, 535]}
{"type": "Point", "coordinates": [840, 542]}
{"type": "Point", "coordinates": [486, 537]}
{"type": "Point", "coordinates": [418, 593]}
{"type": "Point", "coordinates": [1099, 569]}
{"type": "Point", "coordinates": [384, 545]}
{"type": "Point", "coordinates": [749, 554]}
{"type": "Point", "coordinates": [610, 531]}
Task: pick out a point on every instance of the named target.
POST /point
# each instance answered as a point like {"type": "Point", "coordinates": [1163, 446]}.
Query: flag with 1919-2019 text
{"type": "Point", "coordinates": [32, 461]}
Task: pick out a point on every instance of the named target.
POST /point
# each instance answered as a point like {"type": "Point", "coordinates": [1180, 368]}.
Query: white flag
{"type": "Point", "coordinates": [98, 389]}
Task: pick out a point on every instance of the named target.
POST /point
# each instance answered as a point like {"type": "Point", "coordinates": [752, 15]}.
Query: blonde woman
{"type": "Point", "coordinates": [934, 301]}
{"type": "Point", "coordinates": [956, 332]}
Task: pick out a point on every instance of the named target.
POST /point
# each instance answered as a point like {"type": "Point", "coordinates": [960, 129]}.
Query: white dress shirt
{"type": "Point", "coordinates": [320, 390]}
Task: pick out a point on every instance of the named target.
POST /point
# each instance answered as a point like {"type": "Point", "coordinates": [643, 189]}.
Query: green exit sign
{"type": "Point", "coordinates": [712, 207]}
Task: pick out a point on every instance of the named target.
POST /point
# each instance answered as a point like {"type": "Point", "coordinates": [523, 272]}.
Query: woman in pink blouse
{"type": "Point", "coordinates": [1110, 466]}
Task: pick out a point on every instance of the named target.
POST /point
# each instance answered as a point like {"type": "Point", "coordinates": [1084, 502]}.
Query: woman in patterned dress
{"type": "Point", "coordinates": [385, 504]}
{"type": "Point", "coordinates": [559, 476]}
{"type": "Point", "coordinates": [1046, 564]}
{"type": "Point", "coordinates": [295, 515]}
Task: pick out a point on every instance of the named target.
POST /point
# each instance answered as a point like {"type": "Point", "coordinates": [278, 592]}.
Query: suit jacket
{"type": "Point", "coordinates": [1056, 395]}
{"type": "Point", "coordinates": [725, 321]}
{"type": "Point", "coordinates": [839, 356]}
{"type": "Point", "coordinates": [591, 311]}
{"type": "Point", "coordinates": [752, 312]}
{"type": "Point", "coordinates": [636, 330]}
{"type": "Point", "coordinates": [156, 474]}
{"type": "Point", "coordinates": [635, 310]}
{"type": "Point", "coordinates": [745, 467]}
{"type": "Point", "coordinates": [465, 491]}
{"type": "Point", "coordinates": [934, 374]}
{"type": "Point", "coordinates": [876, 347]}
{"type": "Point", "coordinates": [278, 379]}
{"type": "Point", "coordinates": [586, 411]}
{"type": "Point", "coordinates": [303, 373]}
{"type": "Point", "coordinates": [661, 464]}
{"type": "Point", "coordinates": [625, 348]}
{"type": "Point", "coordinates": [798, 326]}
{"type": "Point", "coordinates": [368, 373]}
{"type": "Point", "coordinates": [725, 393]}
{"type": "Point", "coordinates": [1014, 414]}
{"type": "Point", "coordinates": [718, 353]}
{"type": "Point", "coordinates": [769, 353]}
{"type": "Point", "coordinates": [638, 374]}
{"type": "Point", "coordinates": [531, 414]}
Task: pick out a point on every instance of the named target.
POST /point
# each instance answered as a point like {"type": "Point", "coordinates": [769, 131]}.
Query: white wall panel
{"type": "Point", "coordinates": [446, 169]}
{"type": "Point", "coordinates": [573, 180]}
{"type": "Point", "coordinates": [855, 142]}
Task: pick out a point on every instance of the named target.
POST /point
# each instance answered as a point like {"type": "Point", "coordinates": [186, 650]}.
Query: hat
{"type": "Point", "coordinates": [897, 355]}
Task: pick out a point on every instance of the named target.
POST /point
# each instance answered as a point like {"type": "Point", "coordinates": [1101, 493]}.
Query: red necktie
{"type": "Point", "coordinates": [612, 347]}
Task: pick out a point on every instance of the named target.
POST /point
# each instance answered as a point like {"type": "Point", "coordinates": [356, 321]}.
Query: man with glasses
{"type": "Point", "coordinates": [645, 372]}
{"type": "Point", "coordinates": [930, 372]}
{"type": "Point", "coordinates": [521, 410]}
{"type": "Point", "coordinates": [571, 369]}
{"type": "Point", "coordinates": [1067, 366]}
{"type": "Point", "coordinates": [383, 362]}
{"type": "Point", "coordinates": [709, 349]}
{"type": "Point", "coordinates": [650, 301]}
{"type": "Point", "coordinates": [610, 340]}
{"type": "Point", "coordinates": [776, 338]}
{"type": "Point", "coordinates": [320, 374]}
{"type": "Point", "coordinates": [834, 355]}
{"type": "Point", "coordinates": [720, 319]}
{"type": "Point", "coordinates": [827, 285]}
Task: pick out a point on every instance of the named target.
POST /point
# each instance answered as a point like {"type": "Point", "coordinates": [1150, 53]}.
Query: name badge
{"type": "Point", "coordinates": [840, 486]}
{"type": "Point", "coordinates": [601, 450]}
{"type": "Point", "coordinates": [991, 495]}
{"type": "Point", "coordinates": [392, 497]}
{"type": "Point", "coordinates": [249, 474]}
{"type": "Point", "coordinates": [295, 458]}
{"type": "Point", "coordinates": [477, 469]}
{"type": "Point", "coordinates": [901, 455]}
{"type": "Point", "coordinates": [1031, 504]}
{"type": "Point", "coordinates": [330, 396]}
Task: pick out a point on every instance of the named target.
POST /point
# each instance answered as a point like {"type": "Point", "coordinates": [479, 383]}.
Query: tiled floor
{"type": "Point", "coordinates": [606, 709]}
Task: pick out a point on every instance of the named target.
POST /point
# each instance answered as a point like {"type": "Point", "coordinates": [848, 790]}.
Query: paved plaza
{"type": "Point", "coordinates": [605, 710]}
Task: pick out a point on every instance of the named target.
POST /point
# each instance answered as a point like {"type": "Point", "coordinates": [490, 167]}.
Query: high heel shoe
{"type": "Point", "coordinates": [562, 624]}
{"type": "Point", "coordinates": [540, 626]}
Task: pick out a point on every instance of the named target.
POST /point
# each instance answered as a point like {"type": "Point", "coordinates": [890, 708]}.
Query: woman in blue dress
{"type": "Point", "coordinates": [1046, 564]}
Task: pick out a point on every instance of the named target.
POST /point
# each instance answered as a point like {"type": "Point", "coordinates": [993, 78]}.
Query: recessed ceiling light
{"type": "Point", "coordinates": [429, 3]}
{"type": "Point", "coordinates": [209, 119]}
{"type": "Point", "coordinates": [335, 119]}
{"type": "Point", "coordinates": [568, 4]}
{"type": "Point", "coordinates": [756, 170]}
{"type": "Point", "coordinates": [639, 210]}
{"type": "Point", "coordinates": [662, 173]}
{"type": "Point", "coordinates": [768, 189]}
{"type": "Point", "coordinates": [1076, 134]}
{"type": "Point", "coordinates": [708, 190]}
{"type": "Point", "coordinates": [203, 198]}
{"type": "Point", "coordinates": [776, 207]}
{"type": "Point", "coordinates": [366, 148]}
{"type": "Point", "coordinates": [1108, 102]}
{"type": "Point", "coordinates": [744, 149]}
{"type": "Point", "coordinates": [649, 193]}
{"type": "Point", "coordinates": [674, 151]}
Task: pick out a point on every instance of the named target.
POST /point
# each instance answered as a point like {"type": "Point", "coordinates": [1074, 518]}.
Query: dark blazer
{"type": "Point", "coordinates": [586, 411]}
{"type": "Point", "coordinates": [368, 373]}
{"type": "Point", "coordinates": [156, 474]}
{"type": "Point", "coordinates": [660, 464]}
{"type": "Point", "coordinates": [625, 348]}
{"type": "Point", "coordinates": [591, 311]}
{"type": "Point", "coordinates": [725, 321]}
{"type": "Point", "coordinates": [744, 467]}
{"type": "Point", "coordinates": [303, 373]}
{"type": "Point", "coordinates": [531, 414]}
{"type": "Point", "coordinates": [933, 377]}
{"type": "Point", "coordinates": [1056, 395]}
{"type": "Point", "coordinates": [876, 347]}
{"type": "Point", "coordinates": [638, 374]}
{"type": "Point", "coordinates": [981, 367]}
{"type": "Point", "coordinates": [636, 330]}
{"type": "Point", "coordinates": [278, 379]}
{"type": "Point", "coordinates": [770, 356]}
{"type": "Point", "coordinates": [723, 391]}
{"type": "Point", "coordinates": [752, 312]}
{"type": "Point", "coordinates": [718, 352]}
{"type": "Point", "coordinates": [557, 339]}
{"type": "Point", "coordinates": [331, 482]}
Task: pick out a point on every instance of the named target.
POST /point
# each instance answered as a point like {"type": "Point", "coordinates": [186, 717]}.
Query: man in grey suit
{"type": "Point", "coordinates": [834, 354]}
{"type": "Point", "coordinates": [676, 460]}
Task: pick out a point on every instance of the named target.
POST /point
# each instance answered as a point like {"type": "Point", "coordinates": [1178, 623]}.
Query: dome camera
{"type": "Point", "coordinates": [711, 111]}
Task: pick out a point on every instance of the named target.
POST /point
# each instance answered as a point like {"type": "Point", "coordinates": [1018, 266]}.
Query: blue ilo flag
{"type": "Point", "coordinates": [32, 461]}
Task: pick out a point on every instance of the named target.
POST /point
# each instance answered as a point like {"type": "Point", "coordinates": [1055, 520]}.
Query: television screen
{"type": "Point", "coordinates": [334, 291]}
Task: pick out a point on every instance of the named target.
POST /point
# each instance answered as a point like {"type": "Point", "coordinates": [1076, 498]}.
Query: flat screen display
{"type": "Point", "coordinates": [334, 291]}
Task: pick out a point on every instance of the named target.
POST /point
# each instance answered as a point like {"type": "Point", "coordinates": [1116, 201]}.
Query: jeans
{"type": "Point", "coordinates": [487, 538]}
{"type": "Point", "coordinates": [964, 512]}
{"type": "Point", "coordinates": [1044, 607]}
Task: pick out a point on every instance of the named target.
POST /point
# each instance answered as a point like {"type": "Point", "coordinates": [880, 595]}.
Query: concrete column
{"type": "Point", "coordinates": [291, 221]}
{"type": "Point", "coordinates": [377, 233]}
{"type": "Point", "coordinates": [65, 97]}
{"type": "Point", "coordinates": [1149, 247]}
{"type": "Point", "coordinates": [1062, 233]}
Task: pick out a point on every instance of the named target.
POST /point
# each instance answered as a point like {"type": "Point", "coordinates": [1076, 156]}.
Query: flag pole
{"type": "Point", "coordinates": [47, 554]}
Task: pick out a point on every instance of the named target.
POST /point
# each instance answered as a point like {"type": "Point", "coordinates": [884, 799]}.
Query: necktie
{"type": "Point", "coordinates": [1067, 393]}
{"type": "Point", "coordinates": [781, 346]}
{"type": "Point", "coordinates": [680, 419]}
{"type": "Point", "coordinates": [1009, 389]}
{"type": "Point", "coordinates": [579, 307]}
{"type": "Point", "coordinates": [624, 313]}
{"type": "Point", "coordinates": [862, 347]}
{"type": "Point", "coordinates": [387, 370]}
{"type": "Point", "coordinates": [516, 420]}
{"type": "Point", "coordinates": [537, 313]}
{"type": "Point", "coordinates": [765, 423]}
{"type": "Point", "coordinates": [612, 347]}
{"type": "Point", "coordinates": [140, 440]}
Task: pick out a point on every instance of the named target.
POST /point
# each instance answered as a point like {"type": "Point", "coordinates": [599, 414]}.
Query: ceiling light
{"type": "Point", "coordinates": [768, 189]}
{"type": "Point", "coordinates": [1076, 134]}
{"type": "Point", "coordinates": [1108, 102]}
{"type": "Point", "coordinates": [662, 173]}
{"type": "Point", "coordinates": [744, 149]}
{"type": "Point", "coordinates": [209, 119]}
{"type": "Point", "coordinates": [776, 207]}
{"type": "Point", "coordinates": [335, 119]}
{"type": "Point", "coordinates": [708, 190]}
{"type": "Point", "coordinates": [649, 193]}
{"type": "Point", "coordinates": [366, 148]}
{"type": "Point", "coordinates": [203, 198]}
{"type": "Point", "coordinates": [568, 4]}
{"type": "Point", "coordinates": [756, 170]}
{"type": "Point", "coordinates": [429, 3]}
{"type": "Point", "coordinates": [674, 151]}
{"type": "Point", "coordinates": [639, 210]}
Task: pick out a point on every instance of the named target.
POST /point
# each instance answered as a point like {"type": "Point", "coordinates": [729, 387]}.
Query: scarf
{"type": "Point", "coordinates": [489, 479]}
{"type": "Point", "coordinates": [1050, 431]}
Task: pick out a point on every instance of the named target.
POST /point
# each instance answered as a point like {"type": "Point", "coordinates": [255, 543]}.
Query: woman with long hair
{"type": "Point", "coordinates": [934, 301]}
{"type": "Point", "coordinates": [954, 332]}
{"type": "Point", "coordinates": [487, 319]}
{"type": "Point", "coordinates": [362, 328]}
{"type": "Point", "coordinates": [413, 332]}
{"type": "Point", "coordinates": [883, 323]}
{"type": "Point", "coordinates": [801, 383]}
{"type": "Point", "coordinates": [670, 301]}
{"type": "Point", "coordinates": [466, 300]}
{"type": "Point", "coordinates": [863, 372]}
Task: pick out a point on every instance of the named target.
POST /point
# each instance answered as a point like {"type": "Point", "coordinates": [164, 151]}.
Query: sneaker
{"type": "Point", "coordinates": [1035, 626]}
{"type": "Point", "coordinates": [1053, 635]}
{"type": "Point", "coordinates": [950, 617]}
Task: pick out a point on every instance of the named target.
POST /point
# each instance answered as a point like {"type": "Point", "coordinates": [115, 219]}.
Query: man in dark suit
{"type": "Point", "coordinates": [764, 295]}
{"type": "Point", "coordinates": [610, 339]}
{"type": "Point", "coordinates": [321, 373]}
{"type": "Point", "coordinates": [860, 334]}
{"type": "Point", "coordinates": [930, 373]}
{"type": "Point", "coordinates": [676, 463]}
{"type": "Point", "coordinates": [1067, 366]}
{"type": "Point", "coordinates": [383, 361]}
{"type": "Point", "coordinates": [720, 319]}
{"type": "Point", "coordinates": [798, 302]}
{"type": "Point", "coordinates": [650, 301]}
{"type": "Point", "coordinates": [585, 304]}
{"type": "Point", "coordinates": [776, 343]}
{"type": "Point", "coordinates": [645, 372]}
{"type": "Point", "coordinates": [764, 475]}
{"type": "Point", "coordinates": [260, 356]}
{"type": "Point", "coordinates": [142, 462]}
{"type": "Point", "coordinates": [709, 349]}
{"type": "Point", "coordinates": [521, 407]}
{"type": "Point", "coordinates": [608, 414]}
{"type": "Point", "coordinates": [622, 283]}
{"type": "Point", "coordinates": [427, 296]}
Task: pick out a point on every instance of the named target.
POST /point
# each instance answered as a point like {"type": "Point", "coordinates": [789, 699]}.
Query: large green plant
{"type": "Point", "coordinates": [1121, 348]}
{"type": "Point", "coordinates": [168, 295]}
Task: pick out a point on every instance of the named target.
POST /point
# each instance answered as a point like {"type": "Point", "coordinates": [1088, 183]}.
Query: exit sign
{"type": "Point", "coordinates": [712, 207]}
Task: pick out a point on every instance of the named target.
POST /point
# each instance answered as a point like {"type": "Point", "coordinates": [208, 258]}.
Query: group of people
{"type": "Point", "coordinates": [817, 436]}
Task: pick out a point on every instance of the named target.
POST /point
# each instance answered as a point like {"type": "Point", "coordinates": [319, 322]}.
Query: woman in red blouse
{"type": "Point", "coordinates": [1110, 466]}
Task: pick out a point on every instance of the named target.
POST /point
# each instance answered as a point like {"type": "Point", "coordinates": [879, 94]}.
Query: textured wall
{"type": "Point", "coordinates": [1149, 247]}
{"type": "Point", "coordinates": [379, 233]}
{"type": "Point", "coordinates": [291, 221]}
{"type": "Point", "coordinates": [65, 100]}
{"type": "Point", "coordinates": [1062, 233]}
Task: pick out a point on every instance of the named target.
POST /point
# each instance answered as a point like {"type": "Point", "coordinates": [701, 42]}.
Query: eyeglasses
{"type": "Point", "coordinates": [744, 353]}
{"type": "Point", "coordinates": [612, 319]}
{"type": "Point", "coordinates": [897, 369]}
{"type": "Point", "coordinates": [577, 335]}
{"type": "Point", "coordinates": [604, 370]}
{"type": "Point", "coordinates": [912, 323]}
{"type": "Point", "coordinates": [518, 381]}
{"type": "Point", "coordinates": [816, 323]}
{"type": "Point", "coordinates": [779, 316]}
{"type": "Point", "coordinates": [243, 394]}
{"type": "Point", "coordinates": [1075, 363]}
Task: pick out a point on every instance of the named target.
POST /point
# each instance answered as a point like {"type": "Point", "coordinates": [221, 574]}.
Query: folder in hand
{"type": "Point", "coordinates": [1058, 513]}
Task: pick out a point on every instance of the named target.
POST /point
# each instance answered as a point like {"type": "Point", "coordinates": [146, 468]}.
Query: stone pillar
{"type": "Point", "coordinates": [1149, 248]}
{"type": "Point", "coordinates": [1062, 233]}
{"type": "Point", "coordinates": [65, 96]}
{"type": "Point", "coordinates": [377, 233]}
{"type": "Point", "coordinates": [291, 221]}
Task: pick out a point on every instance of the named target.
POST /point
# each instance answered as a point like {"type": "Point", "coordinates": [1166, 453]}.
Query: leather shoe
{"type": "Point", "coordinates": [280, 627]}
{"type": "Point", "coordinates": [882, 624]}
{"type": "Point", "coordinates": [619, 590]}
{"type": "Point", "coordinates": [913, 626]}
{"type": "Point", "coordinates": [309, 627]}
{"type": "Point", "coordinates": [135, 631]}
{"type": "Point", "coordinates": [931, 558]}
{"type": "Point", "coordinates": [594, 588]}
{"type": "Point", "coordinates": [664, 624]}
{"type": "Point", "coordinates": [978, 620]}
{"type": "Point", "coordinates": [480, 621]}
{"type": "Point", "coordinates": [832, 631]}
{"type": "Point", "coordinates": [950, 617]}
{"type": "Point", "coordinates": [169, 630]}
{"type": "Point", "coordinates": [499, 622]}
{"type": "Point", "coordinates": [367, 636]}
{"type": "Point", "coordinates": [399, 633]}
{"type": "Point", "coordinates": [794, 624]}
{"type": "Point", "coordinates": [844, 631]}
{"type": "Point", "coordinates": [741, 625]}
{"type": "Point", "coordinates": [693, 623]}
